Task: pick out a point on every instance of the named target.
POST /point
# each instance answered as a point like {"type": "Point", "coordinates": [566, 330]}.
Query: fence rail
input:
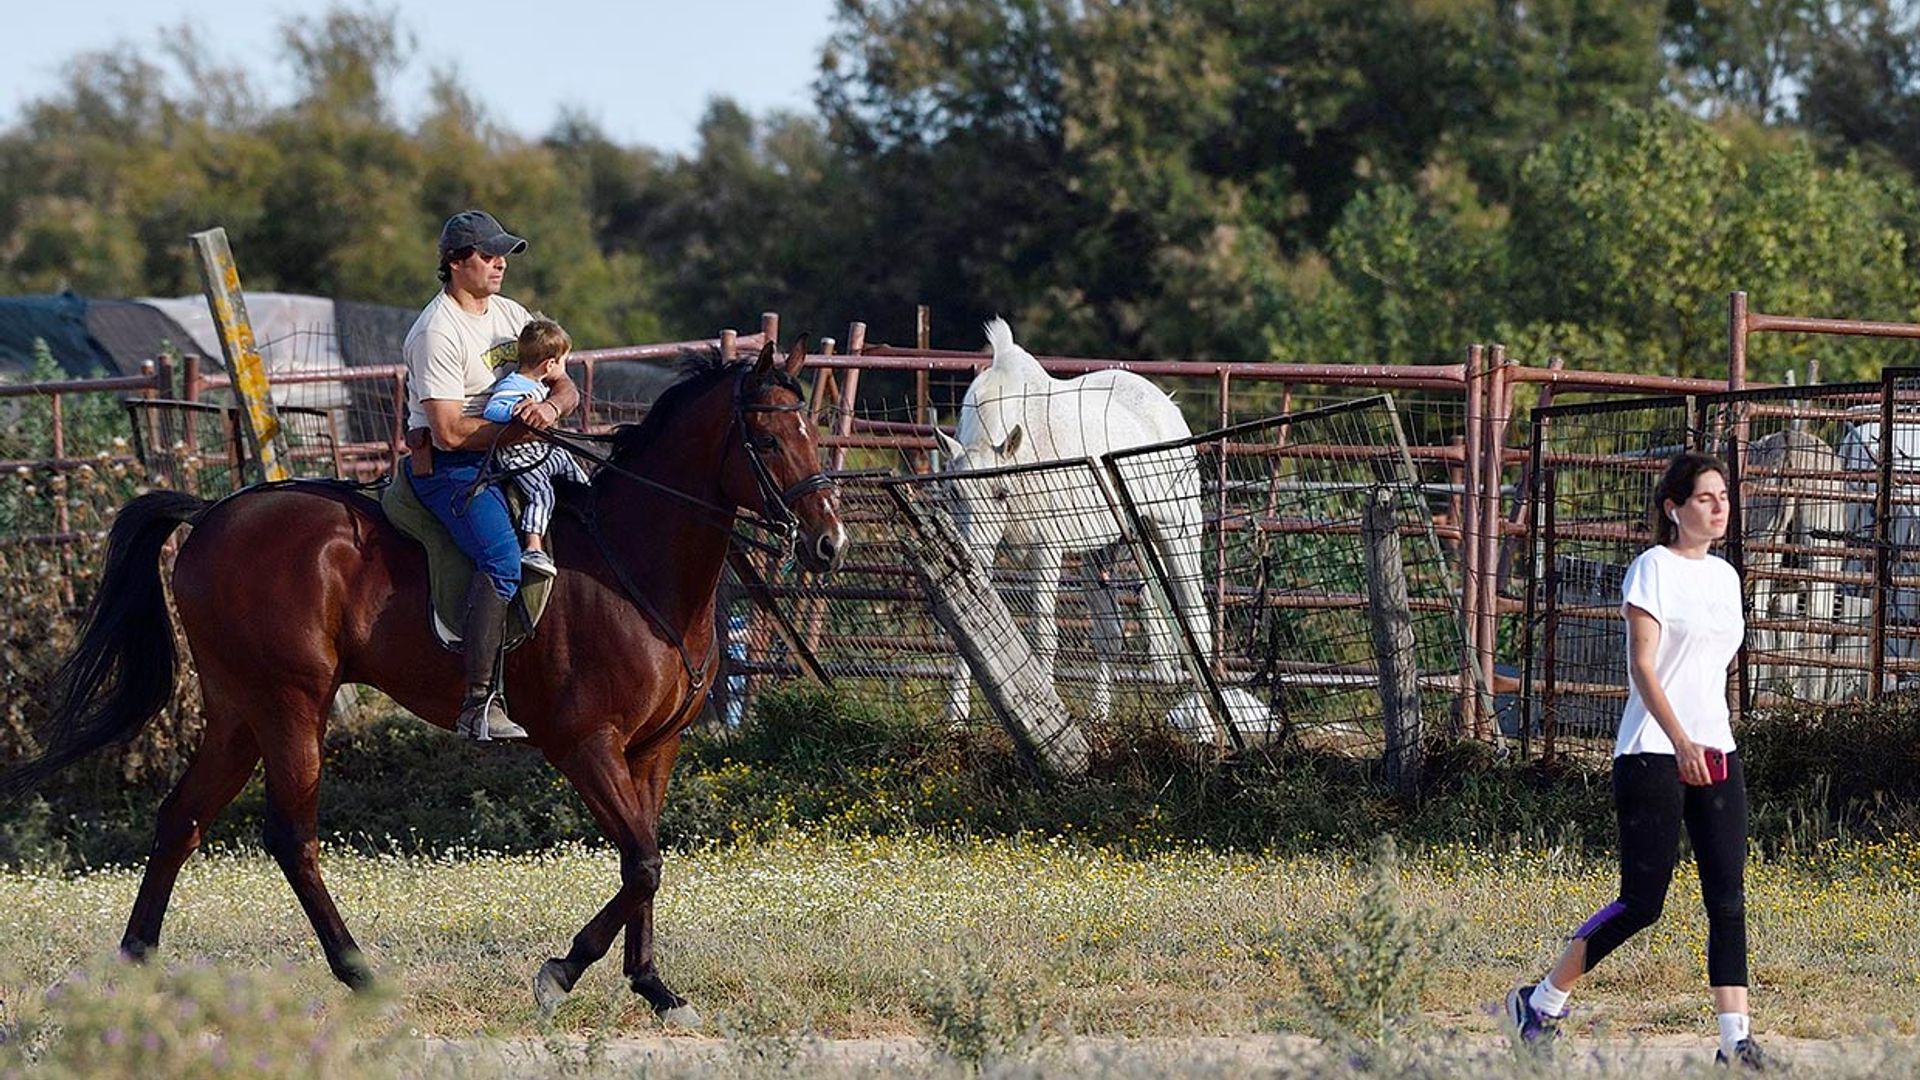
{"type": "Point", "coordinates": [1489, 481]}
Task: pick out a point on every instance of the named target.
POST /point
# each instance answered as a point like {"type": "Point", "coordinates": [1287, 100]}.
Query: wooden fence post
{"type": "Point", "coordinates": [260, 423]}
{"type": "Point", "coordinates": [1394, 653]}
{"type": "Point", "coordinates": [968, 607]}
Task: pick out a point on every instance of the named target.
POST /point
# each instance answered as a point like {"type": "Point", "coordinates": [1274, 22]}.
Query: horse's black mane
{"type": "Point", "coordinates": [700, 369]}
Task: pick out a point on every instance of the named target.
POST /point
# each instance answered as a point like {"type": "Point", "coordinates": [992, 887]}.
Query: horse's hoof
{"type": "Point", "coordinates": [685, 1017]}
{"type": "Point", "coordinates": [549, 988]}
{"type": "Point", "coordinates": [355, 972]}
{"type": "Point", "coordinates": [134, 952]}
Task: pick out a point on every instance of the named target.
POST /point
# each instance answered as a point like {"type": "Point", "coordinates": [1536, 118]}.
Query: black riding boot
{"type": "Point", "coordinates": [483, 714]}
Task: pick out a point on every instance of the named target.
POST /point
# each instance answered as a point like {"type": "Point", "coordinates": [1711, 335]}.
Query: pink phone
{"type": "Point", "coordinates": [1716, 765]}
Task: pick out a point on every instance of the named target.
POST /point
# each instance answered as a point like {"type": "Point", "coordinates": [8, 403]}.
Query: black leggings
{"type": "Point", "coordinates": [1651, 803]}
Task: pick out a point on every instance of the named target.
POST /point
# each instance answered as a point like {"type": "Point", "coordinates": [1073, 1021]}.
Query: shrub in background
{"type": "Point", "coordinates": [1362, 975]}
{"type": "Point", "coordinates": [47, 579]}
{"type": "Point", "coordinates": [1819, 771]}
{"type": "Point", "coordinates": [977, 1015]}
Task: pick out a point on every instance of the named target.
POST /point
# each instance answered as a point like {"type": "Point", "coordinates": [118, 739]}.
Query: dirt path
{"type": "Point", "coordinates": [1223, 1055]}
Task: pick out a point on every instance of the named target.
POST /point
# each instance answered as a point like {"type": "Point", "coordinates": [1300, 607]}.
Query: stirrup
{"type": "Point", "coordinates": [485, 720]}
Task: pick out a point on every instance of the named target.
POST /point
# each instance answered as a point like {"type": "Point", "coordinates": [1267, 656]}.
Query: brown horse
{"type": "Point", "coordinates": [287, 591]}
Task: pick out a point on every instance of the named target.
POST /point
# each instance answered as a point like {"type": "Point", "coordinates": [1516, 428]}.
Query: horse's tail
{"type": "Point", "coordinates": [121, 675]}
{"type": "Point", "coordinates": [999, 336]}
{"type": "Point", "coordinates": [1008, 356]}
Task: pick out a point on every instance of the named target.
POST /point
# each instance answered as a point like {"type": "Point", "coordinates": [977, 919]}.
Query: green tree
{"type": "Point", "coordinates": [949, 113]}
{"type": "Point", "coordinates": [1166, 177]}
{"type": "Point", "coordinates": [1743, 55]}
{"type": "Point", "coordinates": [1627, 238]}
{"type": "Point", "coordinates": [329, 194]}
{"type": "Point", "coordinates": [1863, 88]}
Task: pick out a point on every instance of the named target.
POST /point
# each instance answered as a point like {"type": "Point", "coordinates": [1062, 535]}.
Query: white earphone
{"type": "Point", "coordinates": [1673, 516]}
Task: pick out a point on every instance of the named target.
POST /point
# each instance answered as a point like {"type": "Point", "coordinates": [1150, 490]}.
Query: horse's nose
{"type": "Point", "coordinates": [830, 547]}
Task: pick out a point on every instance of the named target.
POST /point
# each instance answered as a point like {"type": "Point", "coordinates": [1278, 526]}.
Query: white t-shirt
{"type": "Point", "coordinates": [1697, 603]}
{"type": "Point", "coordinates": [454, 355]}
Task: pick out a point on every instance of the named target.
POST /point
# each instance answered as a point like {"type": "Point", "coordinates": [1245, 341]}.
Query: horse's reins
{"type": "Point", "coordinates": [781, 519]}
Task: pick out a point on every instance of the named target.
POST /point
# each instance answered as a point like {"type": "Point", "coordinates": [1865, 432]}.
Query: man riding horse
{"type": "Point", "coordinates": [454, 351]}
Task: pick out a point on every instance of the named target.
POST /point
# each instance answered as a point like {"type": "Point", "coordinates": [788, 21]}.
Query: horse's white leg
{"type": "Point", "coordinates": [1178, 544]}
{"type": "Point", "coordinates": [959, 694]}
{"type": "Point", "coordinates": [1188, 591]}
{"type": "Point", "coordinates": [959, 706]}
{"type": "Point", "coordinates": [1761, 639]}
{"type": "Point", "coordinates": [1764, 521]}
{"type": "Point", "coordinates": [1108, 636]}
{"type": "Point", "coordinates": [1043, 568]}
{"type": "Point", "coordinates": [1823, 596]}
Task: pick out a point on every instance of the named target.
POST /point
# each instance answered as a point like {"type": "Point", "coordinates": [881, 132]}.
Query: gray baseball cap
{"type": "Point", "coordinates": [478, 229]}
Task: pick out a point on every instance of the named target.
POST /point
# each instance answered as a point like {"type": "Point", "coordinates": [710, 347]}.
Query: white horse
{"type": "Point", "coordinates": [1014, 413]}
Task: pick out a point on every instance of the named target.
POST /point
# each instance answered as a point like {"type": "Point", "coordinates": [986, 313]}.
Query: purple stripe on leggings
{"type": "Point", "coordinates": [1599, 917]}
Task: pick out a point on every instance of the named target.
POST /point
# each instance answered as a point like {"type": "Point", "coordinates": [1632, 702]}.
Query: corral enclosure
{"type": "Point", "coordinates": [1511, 533]}
{"type": "Point", "coordinates": [1273, 598]}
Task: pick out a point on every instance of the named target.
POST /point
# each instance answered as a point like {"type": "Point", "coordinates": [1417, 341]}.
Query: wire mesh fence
{"type": "Point", "coordinates": [1284, 567]}
{"type": "Point", "coordinates": [1825, 531]}
{"type": "Point", "coordinates": [199, 446]}
{"type": "Point", "coordinates": [1058, 563]}
{"type": "Point", "coordinates": [868, 628]}
{"type": "Point", "coordinates": [1887, 447]}
{"type": "Point", "coordinates": [1593, 471]}
{"type": "Point", "coordinates": [1804, 493]}
{"type": "Point", "coordinates": [1219, 577]}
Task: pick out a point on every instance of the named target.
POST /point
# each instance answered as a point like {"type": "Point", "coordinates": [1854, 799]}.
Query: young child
{"type": "Point", "coordinates": [544, 348]}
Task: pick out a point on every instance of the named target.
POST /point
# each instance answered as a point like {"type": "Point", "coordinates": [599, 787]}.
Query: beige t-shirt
{"type": "Point", "coordinates": [453, 355]}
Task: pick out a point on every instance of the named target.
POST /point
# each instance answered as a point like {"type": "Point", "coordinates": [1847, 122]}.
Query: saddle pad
{"type": "Point", "coordinates": [449, 570]}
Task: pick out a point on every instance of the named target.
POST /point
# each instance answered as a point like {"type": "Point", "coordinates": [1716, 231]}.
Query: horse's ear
{"type": "Point", "coordinates": [1012, 445]}
{"type": "Point", "coordinates": [949, 445]}
{"type": "Point", "coordinates": [797, 356]}
{"type": "Point", "coordinates": [765, 363]}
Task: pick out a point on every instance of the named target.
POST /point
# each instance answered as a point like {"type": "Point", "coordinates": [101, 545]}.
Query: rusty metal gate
{"type": "Point", "coordinates": [1825, 486]}
{"type": "Point", "coordinates": [1214, 579]}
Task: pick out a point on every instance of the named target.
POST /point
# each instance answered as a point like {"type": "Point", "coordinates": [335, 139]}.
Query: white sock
{"type": "Point", "coordinates": [1548, 999]}
{"type": "Point", "coordinates": [1733, 1028]}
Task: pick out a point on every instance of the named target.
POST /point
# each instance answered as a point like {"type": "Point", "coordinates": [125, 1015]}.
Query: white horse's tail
{"type": "Point", "coordinates": [999, 336]}
{"type": "Point", "coordinates": [1010, 357]}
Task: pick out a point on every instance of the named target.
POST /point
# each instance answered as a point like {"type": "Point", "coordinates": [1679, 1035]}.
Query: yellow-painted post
{"type": "Point", "coordinates": [260, 423]}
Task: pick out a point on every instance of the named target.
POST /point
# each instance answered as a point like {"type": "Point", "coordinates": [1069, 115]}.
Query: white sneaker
{"type": "Point", "coordinates": [539, 562]}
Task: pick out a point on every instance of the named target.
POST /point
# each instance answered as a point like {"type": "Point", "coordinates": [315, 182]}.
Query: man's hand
{"type": "Point", "coordinates": [538, 415]}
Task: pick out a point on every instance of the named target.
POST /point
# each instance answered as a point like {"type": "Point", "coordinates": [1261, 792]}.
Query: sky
{"type": "Point", "coordinates": [643, 70]}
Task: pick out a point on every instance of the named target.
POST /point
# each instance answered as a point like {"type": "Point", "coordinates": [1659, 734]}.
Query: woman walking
{"type": "Point", "coordinates": [1674, 760]}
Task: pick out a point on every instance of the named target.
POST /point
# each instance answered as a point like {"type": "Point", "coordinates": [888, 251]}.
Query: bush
{"type": "Point", "coordinates": [808, 758]}
{"type": "Point", "coordinates": [977, 1015]}
{"type": "Point", "coordinates": [1819, 772]}
{"type": "Point", "coordinates": [126, 1021]}
{"type": "Point", "coordinates": [1362, 976]}
{"type": "Point", "coordinates": [49, 569]}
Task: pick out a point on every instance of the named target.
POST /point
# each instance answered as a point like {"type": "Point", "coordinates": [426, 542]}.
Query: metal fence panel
{"type": "Point", "coordinates": [1594, 468]}
{"type": "Point", "coordinates": [1251, 534]}
{"type": "Point", "coordinates": [1282, 566]}
{"type": "Point", "coordinates": [1826, 533]}
{"type": "Point", "coordinates": [1804, 490]}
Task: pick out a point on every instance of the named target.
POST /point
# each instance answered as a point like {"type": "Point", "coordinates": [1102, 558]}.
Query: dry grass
{"type": "Point", "coordinates": [840, 938]}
